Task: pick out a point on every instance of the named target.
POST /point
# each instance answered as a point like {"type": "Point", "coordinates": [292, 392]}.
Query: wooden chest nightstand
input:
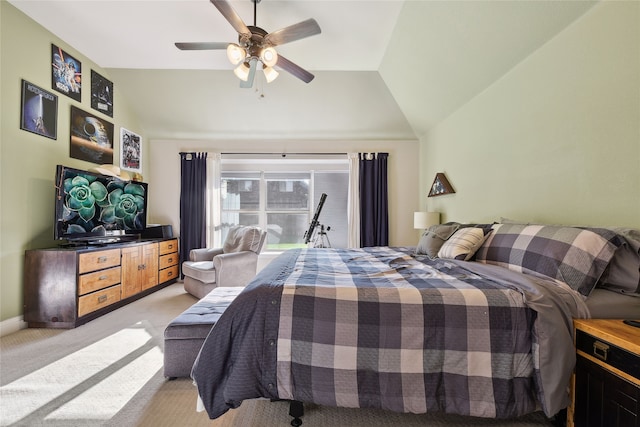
{"type": "Point", "coordinates": [605, 387]}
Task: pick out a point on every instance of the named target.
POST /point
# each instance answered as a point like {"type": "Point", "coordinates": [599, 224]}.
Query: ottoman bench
{"type": "Point", "coordinates": [184, 335]}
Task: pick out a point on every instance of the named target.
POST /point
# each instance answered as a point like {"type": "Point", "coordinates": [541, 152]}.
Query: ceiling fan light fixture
{"type": "Point", "coordinates": [242, 72]}
{"type": "Point", "coordinates": [255, 46]}
{"type": "Point", "coordinates": [235, 53]}
{"type": "Point", "coordinates": [270, 74]}
{"type": "Point", "coordinates": [269, 56]}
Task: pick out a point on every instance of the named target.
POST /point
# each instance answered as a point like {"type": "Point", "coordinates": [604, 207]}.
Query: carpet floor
{"type": "Point", "coordinates": [108, 372]}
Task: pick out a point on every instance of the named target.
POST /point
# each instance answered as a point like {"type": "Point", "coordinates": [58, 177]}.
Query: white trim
{"type": "Point", "coordinates": [353, 201]}
{"type": "Point", "coordinates": [214, 236]}
{"type": "Point", "coordinates": [12, 325]}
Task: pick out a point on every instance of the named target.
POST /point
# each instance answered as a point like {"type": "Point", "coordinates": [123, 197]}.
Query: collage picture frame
{"type": "Point", "coordinates": [91, 137]}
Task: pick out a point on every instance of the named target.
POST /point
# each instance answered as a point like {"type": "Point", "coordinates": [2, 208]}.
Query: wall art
{"type": "Point", "coordinates": [130, 150]}
{"type": "Point", "coordinates": [440, 186]}
{"type": "Point", "coordinates": [91, 138]}
{"type": "Point", "coordinates": [66, 73]}
{"type": "Point", "coordinates": [39, 111]}
{"type": "Point", "coordinates": [101, 94]}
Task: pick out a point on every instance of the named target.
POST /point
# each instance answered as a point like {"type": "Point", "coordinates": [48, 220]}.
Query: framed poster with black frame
{"type": "Point", "coordinates": [101, 94]}
{"type": "Point", "coordinates": [66, 73]}
{"type": "Point", "coordinates": [91, 138]}
{"type": "Point", "coordinates": [38, 111]}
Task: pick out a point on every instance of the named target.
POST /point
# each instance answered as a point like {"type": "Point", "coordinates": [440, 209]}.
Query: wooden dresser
{"type": "Point", "coordinates": [606, 382]}
{"type": "Point", "coordinates": [66, 287]}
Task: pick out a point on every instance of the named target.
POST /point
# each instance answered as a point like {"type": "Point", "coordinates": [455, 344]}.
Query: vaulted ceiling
{"type": "Point", "coordinates": [385, 69]}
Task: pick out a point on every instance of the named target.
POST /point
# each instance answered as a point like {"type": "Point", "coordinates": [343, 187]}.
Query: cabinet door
{"type": "Point", "coordinates": [132, 264]}
{"type": "Point", "coordinates": [149, 272]}
{"type": "Point", "coordinates": [604, 399]}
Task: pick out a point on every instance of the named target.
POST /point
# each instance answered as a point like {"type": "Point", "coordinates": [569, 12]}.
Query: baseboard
{"type": "Point", "coordinates": [12, 325]}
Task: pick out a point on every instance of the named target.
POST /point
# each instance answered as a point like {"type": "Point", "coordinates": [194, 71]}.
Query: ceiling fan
{"type": "Point", "coordinates": [256, 46]}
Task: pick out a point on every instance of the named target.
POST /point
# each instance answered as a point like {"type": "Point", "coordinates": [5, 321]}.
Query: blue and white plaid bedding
{"type": "Point", "coordinates": [377, 327]}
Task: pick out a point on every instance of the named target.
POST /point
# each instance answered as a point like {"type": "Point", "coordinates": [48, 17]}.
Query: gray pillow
{"type": "Point", "coordinates": [433, 238]}
{"type": "Point", "coordinates": [623, 273]}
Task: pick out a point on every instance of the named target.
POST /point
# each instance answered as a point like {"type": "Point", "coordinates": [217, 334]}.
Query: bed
{"type": "Point", "coordinates": [475, 320]}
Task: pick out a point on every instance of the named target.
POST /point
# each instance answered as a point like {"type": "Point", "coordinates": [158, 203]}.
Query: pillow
{"type": "Point", "coordinates": [242, 238]}
{"type": "Point", "coordinates": [572, 255]}
{"type": "Point", "coordinates": [433, 238]}
{"type": "Point", "coordinates": [623, 273]}
{"type": "Point", "coordinates": [464, 243]}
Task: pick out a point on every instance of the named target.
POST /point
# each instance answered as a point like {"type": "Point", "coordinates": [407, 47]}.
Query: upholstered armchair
{"type": "Point", "coordinates": [234, 264]}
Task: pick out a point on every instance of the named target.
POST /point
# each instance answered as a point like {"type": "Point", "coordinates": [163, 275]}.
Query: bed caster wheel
{"type": "Point", "coordinates": [296, 422]}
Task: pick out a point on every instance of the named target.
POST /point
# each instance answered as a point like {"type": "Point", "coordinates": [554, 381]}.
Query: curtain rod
{"type": "Point", "coordinates": [285, 154]}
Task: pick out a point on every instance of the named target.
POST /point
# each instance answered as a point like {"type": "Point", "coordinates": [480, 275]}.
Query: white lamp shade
{"type": "Point", "coordinates": [423, 220]}
{"type": "Point", "coordinates": [269, 56]}
{"type": "Point", "coordinates": [242, 72]}
{"type": "Point", "coordinates": [270, 74]}
{"type": "Point", "coordinates": [235, 53]}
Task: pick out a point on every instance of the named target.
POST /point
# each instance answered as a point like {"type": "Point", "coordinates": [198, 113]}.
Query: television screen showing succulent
{"type": "Point", "coordinates": [89, 204]}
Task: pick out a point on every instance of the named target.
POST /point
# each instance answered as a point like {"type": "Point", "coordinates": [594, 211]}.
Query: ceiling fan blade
{"type": "Point", "coordinates": [230, 15]}
{"type": "Point", "coordinates": [201, 45]}
{"type": "Point", "coordinates": [294, 69]}
{"type": "Point", "coordinates": [252, 73]}
{"type": "Point", "coordinates": [293, 32]}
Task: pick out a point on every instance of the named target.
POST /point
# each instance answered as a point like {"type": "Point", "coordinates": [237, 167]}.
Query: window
{"type": "Point", "coordinates": [282, 199]}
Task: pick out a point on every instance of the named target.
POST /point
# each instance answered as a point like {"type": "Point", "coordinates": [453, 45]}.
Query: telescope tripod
{"type": "Point", "coordinates": [322, 239]}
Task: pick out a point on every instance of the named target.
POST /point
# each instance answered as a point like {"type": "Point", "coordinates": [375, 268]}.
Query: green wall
{"type": "Point", "coordinates": [28, 161]}
{"type": "Point", "coordinates": [556, 139]}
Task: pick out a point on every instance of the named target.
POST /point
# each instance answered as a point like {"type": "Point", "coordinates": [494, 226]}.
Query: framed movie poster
{"type": "Point", "coordinates": [91, 138]}
{"type": "Point", "coordinates": [39, 111]}
{"type": "Point", "coordinates": [130, 150]}
{"type": "Point", "coordinates": [66, 73]}
{"type": "Point", "coordinates": [101, 94]}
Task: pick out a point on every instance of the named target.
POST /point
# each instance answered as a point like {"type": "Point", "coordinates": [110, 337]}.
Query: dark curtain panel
{"type": "Point", "coordinates": [193, 196]}
{"type": "Point", "coordinates": [374, 210]}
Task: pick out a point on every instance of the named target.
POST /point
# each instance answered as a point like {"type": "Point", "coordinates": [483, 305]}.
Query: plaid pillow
{"type": "Point", "coordinates": [572, 255]}
{"type": "Point", "coordinates": [464, 243]}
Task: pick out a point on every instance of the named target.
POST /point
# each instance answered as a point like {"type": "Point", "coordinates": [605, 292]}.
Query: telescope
{"type": "Point", "coordinates": [314, 222]}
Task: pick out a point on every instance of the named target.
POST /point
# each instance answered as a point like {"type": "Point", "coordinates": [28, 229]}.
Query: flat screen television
{"type": "Point", "coordinates": [95, 208]}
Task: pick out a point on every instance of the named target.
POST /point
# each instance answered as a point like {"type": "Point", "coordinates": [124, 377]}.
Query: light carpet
{"type": "Point", "coordinates": [108, 372]}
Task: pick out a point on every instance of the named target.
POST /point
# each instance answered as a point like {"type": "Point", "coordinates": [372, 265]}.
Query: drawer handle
{"type": "Point", "coordinates": [102, 298]}
{"type": "Point", "coordinates": [170, 274]}
{"type": "Point", "coordinates": [600, 350]}
{"type": "Point", "coordinates": [103, 277]}
{"type": "Point", "coordinates": [170, 246]}
{"type": "Point", "coordinates": [102, 259]}
{"type": "Point", "coordinates": [170, 260]}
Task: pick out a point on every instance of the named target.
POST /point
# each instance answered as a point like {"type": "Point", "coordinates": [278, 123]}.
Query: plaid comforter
{"type": "Point", "coordinates": [378, 327]}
